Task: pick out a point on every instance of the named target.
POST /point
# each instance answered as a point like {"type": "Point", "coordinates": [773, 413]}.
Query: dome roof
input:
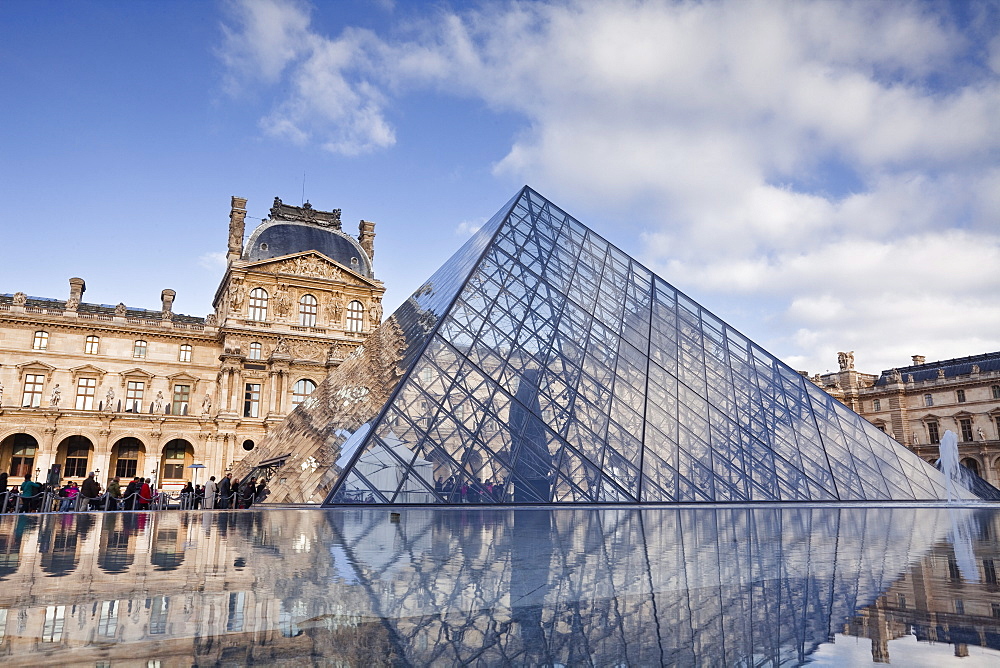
{"type": "Point", "coordinates": [276, 238]}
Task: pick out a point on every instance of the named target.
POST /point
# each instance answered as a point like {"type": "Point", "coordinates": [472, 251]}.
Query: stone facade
{"type": "Point", "coordinates": [916, 404]}
{"type": "Point", "coordinates": [130, 391]}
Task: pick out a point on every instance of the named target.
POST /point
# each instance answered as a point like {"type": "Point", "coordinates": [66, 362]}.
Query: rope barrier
{"type": "Point", "coordinates": [12, 502]}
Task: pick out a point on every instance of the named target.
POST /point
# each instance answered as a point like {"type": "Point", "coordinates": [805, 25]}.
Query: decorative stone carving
{"type": "Point", "coordinates": [305, 213]}
{"type": "Point", "coordinates": [375, 313]}
{"type": "Point", "coordinates": [236, 294]}
{"type": "Point", "coordinates": [158, 402]}
{"type": "Point", "coordinates": [20, 299]}
{"type": "Point", "coordinates": [56, 397]}
{"type": "Point", "coordinates": [897, 377]}
{"type": "Point", "coordinates": [281, 349]}
{"type": "Point", "coordinates": [211, 320]}
{"type": "Point", "coordinates": [335, 308]}
{"type": "Point", "coordinates": [310, 265]}
{"type": "Point", "coordinates": [206, 404]}
{"type": "Point", "coordinates": [975, 368]}
{"type": "Point", "coordinates": [940, 373]}
{"type": "Point", "coordinates": [846, 360]}
{"type": "Point", "coordinates": [109, 399]}
{"type": "Point", "coordinates": [120, 309]}
{"type": "Point", "coordinates": [281, 300]}
{"type": "Point", "coordinates": [1, 393]}
{"type": "Point", "coordinates": [72, 304]}
{"type": "Point", "coordinates": [309, 350]}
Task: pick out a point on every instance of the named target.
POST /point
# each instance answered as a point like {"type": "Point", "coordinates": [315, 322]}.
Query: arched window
{"type": "Point", "coordinates": [176, 454]}
{"type": "Point", "coordinates": [971, 464]}
{"type": "Point", "coordinates": [254, 351]}
{"type": "Point", "coordinates": [307, 311]}
{"type": "Point", "coordinates": [355, 317]}
{"type": "Point", "coordinates": [139, 349]}
{"type": "Point", "coordinates": [77, 457]}
{"type": "Point", "coordinates": [92, 345]}
{"type": "Point", "coordinates": [302, 390]}
{"type": "Point", "coordinates": [41, 342]}
{"type": "Point", "coordinates": [126, 457]}
{"type": "Point", "coordinates": [258, 305]}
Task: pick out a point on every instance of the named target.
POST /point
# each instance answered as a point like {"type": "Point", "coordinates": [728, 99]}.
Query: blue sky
{"type": "Point", "coordinates": [824, 176]}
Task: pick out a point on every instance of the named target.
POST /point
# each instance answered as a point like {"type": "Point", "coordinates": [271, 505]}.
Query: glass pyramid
{"type": "Point", "coordinates": [542, 365]}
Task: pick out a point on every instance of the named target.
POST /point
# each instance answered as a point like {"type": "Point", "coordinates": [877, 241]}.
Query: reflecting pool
{"type": "Point", "coordinates": [569, 586]}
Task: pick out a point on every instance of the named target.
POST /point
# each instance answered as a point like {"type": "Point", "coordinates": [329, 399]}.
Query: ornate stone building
{"type": "Point", "coordinates": [128, 391]}
{"type": "Point", "coordinates": [916, 404]}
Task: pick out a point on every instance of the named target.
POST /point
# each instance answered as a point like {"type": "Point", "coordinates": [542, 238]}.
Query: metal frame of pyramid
{"type": "Point", "coordinates": [541, 364]}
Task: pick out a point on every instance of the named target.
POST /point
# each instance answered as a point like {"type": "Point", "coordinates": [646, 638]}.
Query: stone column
{"type": "Point", "coordinates": [237, 216]}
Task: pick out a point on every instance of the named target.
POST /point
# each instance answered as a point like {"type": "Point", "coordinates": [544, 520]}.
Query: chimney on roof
{"type": "Point", "coordinates": [366, 237]}
{"type": "Point", "coordinates": [77, 286]}
{"type": "Point", "coordinates": [237, 217]}
{"type": "Point", "coordinates": [918, 360]}
{"type": "Point", "coordinates": [167, 300]}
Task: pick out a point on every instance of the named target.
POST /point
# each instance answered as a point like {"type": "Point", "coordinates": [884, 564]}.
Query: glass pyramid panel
{"type": "Point", "coordinates": [542, 365]}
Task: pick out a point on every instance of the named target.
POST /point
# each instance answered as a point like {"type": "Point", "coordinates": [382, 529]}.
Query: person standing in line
{"type": "Point", "coordinates": [261, 489]}
{"type": "Point", "coordinates": [247, 491]}
{"type": "Point", "coordinates": [68, 494]}
{"type": "Point", "coordinates": [114, 493]}
{"type": "Point", "coordinates": [31, 495]}
{"type": "Point", "coordinates": [90, 491]}
{"type": "Point", "coordinates": [210, 489]}
{"type": "Point", "coordinates": [130, 491]}
{"type": "Point", "coordinates": [225, 490]}
{"type": "Point", "coordinates": [145, 494]}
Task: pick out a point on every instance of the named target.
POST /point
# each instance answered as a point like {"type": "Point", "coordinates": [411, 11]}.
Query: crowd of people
{"type": "Point", "coordinates": [138, 494]}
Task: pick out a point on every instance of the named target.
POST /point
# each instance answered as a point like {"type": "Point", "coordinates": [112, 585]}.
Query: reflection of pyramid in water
{"type": "Point", "coordinates": [540, 364]}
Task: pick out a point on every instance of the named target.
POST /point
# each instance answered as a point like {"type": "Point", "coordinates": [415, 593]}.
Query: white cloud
{"type": "Point", "coordinates": [838, 159]}
{"type": "Point", "coordinates": [469, 227]}
{"type": "Point", "coordinates": [213, 261]}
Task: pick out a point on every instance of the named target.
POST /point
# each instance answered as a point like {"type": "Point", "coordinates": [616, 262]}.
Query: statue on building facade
{"type": "Point", "coordinates": [281, 348]}
{"type": "Point", "coordinates": [334, 309]}
{"type": "Point", "coordinates": [56, 397]}
{"type": "Point", "coordinates": [375, 313]}
{"type": "Point", "coordinates": [109, 399]}
{"type": "Point", "coordinates": [896, 376]}
{"type": "Point", "coordinates": [236, 294]}
{"type": "Point", "coordinates": [206, 404]}
{"type": "Point", "coordinates": [120, 309]}
{"type": "Point", "coordinates": [72, 304]}
{"type": "Point", "coordinates": [211, 320]}
{"type": "Point", "coordinates": [1, 394]}
{"type": "Point", "coordinates": [846, 360]}
{"type": "Point", "coordinates": [158, 402]}
{"type": "Point", "coordinates": [281, 301]}
{"type": "Point", "coordinates": [20, 299]}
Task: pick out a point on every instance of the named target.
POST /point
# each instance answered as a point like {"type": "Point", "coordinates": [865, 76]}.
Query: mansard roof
{"type": "Point", "coordinates": [959, 366]}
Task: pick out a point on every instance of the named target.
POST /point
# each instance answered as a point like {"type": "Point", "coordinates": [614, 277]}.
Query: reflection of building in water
{"type": "Point", "coordinates": [937, 601]}
{"type": "Point", "coordinates": [571, 586]}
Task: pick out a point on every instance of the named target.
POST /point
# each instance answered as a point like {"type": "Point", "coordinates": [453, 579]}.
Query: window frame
{"type": "Point", "coordinates": [40, 340]}
{"type": "Point", "coordinates": [965, 427]}
{"type": "Point", "coordinates": [257, 305]}
{"type": "Point", "coordinates": [86, 391]}
{"type": "Point", "coordinates": [134, 395]}
{"type": "Point", "coordinates": [184, 352]}
{"type": "Point", "coordinates": [298, 396]}
{"type": "Point", "coordinates": [32, 390]}
{"type": "Point", "coordinates": [255, 351]}
{"type": "Point", "coordinates": [140, 348]}
{"type": "Point", "coordinates": [876, 405]}
{"type": "Point", "coordinates": [92, 345]}
{"type": "Point", "coordinates": [355, 323]}
{"type": "Point", "coordinates": [960, 396]}
{"type": "Point", "coordinates": [308, 309]}
{"type": "Point", "coordinates": [251, 400]}
{"type": "Point", "coordinates": [170, 451]}
{"type": "Point", "coordinates": [928, 400]}
{"type": "Point", "coordinates": [933, 432]}
{"type": "Point", "coordinates": [180, 402]}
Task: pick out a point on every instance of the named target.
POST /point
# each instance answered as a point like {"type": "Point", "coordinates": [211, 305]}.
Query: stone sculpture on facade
{"type": "Point", "coordinates": [20, 299]}
{"type": "Point", "coordinates": [281, 301]}
{"type": "Point", "coordinates": [56, 397]}
{"type": "Point", "coordinates": [375, 313]}
{"type": "Point", "coordinates": [72, 304]}
{"type": "Point", "coordinates": [846, 360]}
{"type": "Point", "coordinates": [158, 402]}
{"type": "Point", "coordinates": [109, 399]}
{"type": "Point", "coordinates": [206, 404]}
{"type": "Point", "coordinates": [211, 320]}
{"type": "Point", "coordinates": [120, 309]}
{"type": "Point", "coordinates": [334, 309]}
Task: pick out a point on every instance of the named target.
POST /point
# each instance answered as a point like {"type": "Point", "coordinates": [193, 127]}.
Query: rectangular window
{"type": "Point", "coordinates": [932, 432]}
{"type": "Point", "coordinates": [107, 623]}
{"type": "Point", "coordinates": [33, 390]}
{"type": "Point", "coordinates": [133, 396]}
{"type": "Point", "coordinates": [182, 394]}
{"type": "Point", "coordinates": [139, 349]}
{"type": "Point", "coordinates": [966, 426]}
{"type": "Point", "coordinates": [959, 606]}
{"type": "Point", "coordinates": [876, 405]}
{"type": "Point", "coordinates": [237, 601]}
{"type": "Point", "coordinates": [41, 341]}
{"type": "Point", "coordinates": [990, 572]}
{"type": "Point", "coordinates": [77, 457]}
{"type": "Point", "coordinates": [960, 395]}
{"type": "Point", "coordinates": [928, 400]}
{"type": "Point", "coordinates": [92, 345]}
{"type": "Point", "coordinates": [158, 608]}
{"type": "Point", "coordinates": [185, 353]}
{"type": "Point", "coordinates": [901, 601]}
{"type": "Point", "coordinates": [86, 388]}
{"type": "Point", "coordinates": [173, 463]}
{"type": "Point", "coordinates": [55, 618]}
{"type": "Point", "coordinates": [996, 610]}
{"type": "Point", "coordinates": [251, 400]}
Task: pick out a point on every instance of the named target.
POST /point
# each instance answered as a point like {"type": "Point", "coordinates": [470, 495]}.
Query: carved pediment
{"type": "Point", "coordinates": [310, 264]}
{"type": "Point", "coordinates": [87, 370]}
{"type": "Point", "coordinates": [136, 374]}
{"type": "Point", "coordinates": [36, 366]}
{"type": "Point", "coordinates": [183, 378]}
